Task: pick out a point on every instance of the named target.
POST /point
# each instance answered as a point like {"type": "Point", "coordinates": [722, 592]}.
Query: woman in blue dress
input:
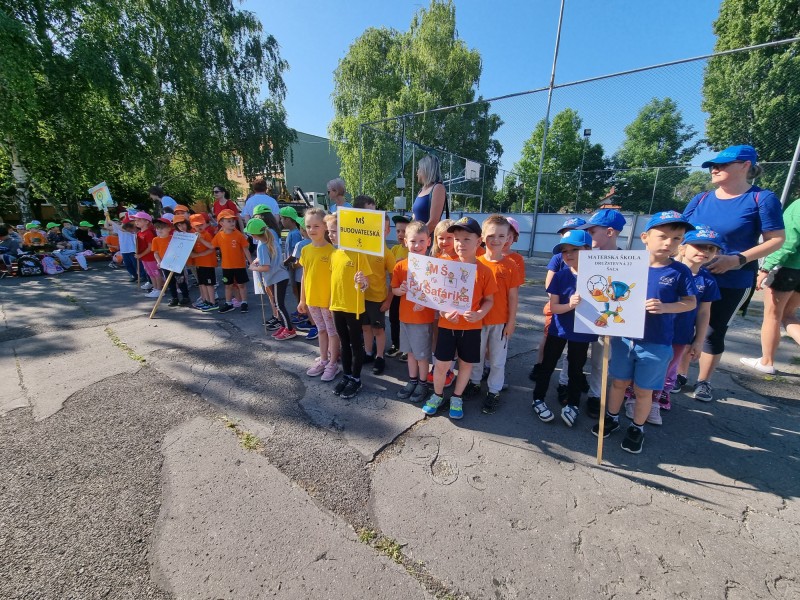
{"type": "Point", "coordinates": [429, 204]}
{"type": "Point", "coordinates": [741, 213]}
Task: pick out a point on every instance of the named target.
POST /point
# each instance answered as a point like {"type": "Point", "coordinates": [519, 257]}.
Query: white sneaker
{"type": "Point", "coordinates": [147, 286]}
{"type": "Point", "coordinates": [654, 418]}
{"type": "Point", "coordinates": [755, 363]}
{"type": "Point", "coordinates": [153, 294]}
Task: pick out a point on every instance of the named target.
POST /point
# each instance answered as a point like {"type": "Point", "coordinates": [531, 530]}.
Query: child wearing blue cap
{"type": "Point", "coordinates": [670, 290]}
{"type": "Point", "coordinates": [563, 300]}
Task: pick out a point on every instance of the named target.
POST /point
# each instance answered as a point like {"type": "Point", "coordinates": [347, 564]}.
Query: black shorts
{"type": "Point", "coordinates": [465, 342]}
{"type": "Point", "coordinates": [231, 276]}
{"type": "Point", "coordinates": [206, 276]}
{"type": "Point", "coordinates": [373, 315]}
{"type": "Point", "coordinates": [786, 280]}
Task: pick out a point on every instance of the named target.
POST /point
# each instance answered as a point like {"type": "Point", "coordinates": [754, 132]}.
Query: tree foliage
{"type": "Point", "coordinates": [754, 97]}
{"type": "Point", "coordinates": [570, 162]}
{"type": "Point", "coordinates": [387, 73]}
{"type": "Point", "coordinates": [657, 143]}
{"type": "Point", "coordinates": [136, 94]}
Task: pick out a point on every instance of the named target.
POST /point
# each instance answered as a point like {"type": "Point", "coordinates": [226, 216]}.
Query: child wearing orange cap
{"type": "Point", "coordinates": [204, 255]}
{"type": "Point", "coordinates": [159, 245]}
{"type": "Point", "coordinates": [234, 249]}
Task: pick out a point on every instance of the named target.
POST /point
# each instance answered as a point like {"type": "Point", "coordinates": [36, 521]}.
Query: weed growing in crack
{"type": "Point", "coordinates": [390, 548]}
{"type": "Point", "coordinates": [366, 536]}
{"type": "Point", "coordinates": [123, 346]}
{"type": "Point", "coordinates": [248, 440]}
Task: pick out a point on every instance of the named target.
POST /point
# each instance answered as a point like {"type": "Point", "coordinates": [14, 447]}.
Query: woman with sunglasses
{"type": "Point", "coordinates": [222, 201]}
{"type": "Point", "coordinates": [741, 213]}
{"type": "Point", "coordinates": [429, 204]}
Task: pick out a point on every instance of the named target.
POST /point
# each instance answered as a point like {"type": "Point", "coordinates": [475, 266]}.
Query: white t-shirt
{"type": "Point", "coordinates": [257, 199]}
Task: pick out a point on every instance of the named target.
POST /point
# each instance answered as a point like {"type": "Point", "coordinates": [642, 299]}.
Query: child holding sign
{"type": "Point", "coordinates": [563, 300]}
{"type": "Point", "coordinates": [670, 290]}
{"type": "Point", "coordinates": [159, 245]}
{"type": "Point", "coordinates": [462, 333]}
{"type": "Point", "coordinates": [416, 321]}
{"type": "Point", "coordinates": [348, 284]}
{"type": "Point", "coordinates": [315, 294]}
{"type": "Point", "coordinates": [233, 246]}
{"type": "Point", "coordinates": [204, 255]}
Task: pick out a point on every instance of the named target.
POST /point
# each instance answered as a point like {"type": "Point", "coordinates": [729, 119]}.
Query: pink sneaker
{"type": "Point", "coordinates": [318, 368]}
{"type": "Point", "coordinates": [279, 331]}
{"type": "Point", "coordinates": [286, 334]}
{"type": "Point", "coordinates": [664, 400]}
{"type": "Point", "coordinates": [236, 303]}
{"type": "Point", "coordinates": [332, 369]}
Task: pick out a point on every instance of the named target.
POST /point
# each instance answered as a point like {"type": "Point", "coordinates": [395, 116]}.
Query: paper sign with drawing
{"type": "Point", "coordinates": [102, 196]}
{"type": "Point", "coordinates": [444, 285]}
{"type": "Point", "coordinates": [613, 289]}
{"type": "Point", "coordinates": [178, 251]}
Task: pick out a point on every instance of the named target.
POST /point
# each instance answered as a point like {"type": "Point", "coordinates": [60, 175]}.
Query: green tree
{"type": "Point", "coordinates": [754, 97]}
{"type": "Point", "coordinates": [695, 183]}
{"type": "Point", "coordinates": [658, 143]}
{"type": "Point", "coordinates": [571, 163]}
{"type": "Point", "coordinates": [387, 73]}
{"type": "Point", "coordinates": [135, 94]}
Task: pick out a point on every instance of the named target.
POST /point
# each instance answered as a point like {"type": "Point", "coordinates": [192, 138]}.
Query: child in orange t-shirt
{"type": "Point", "coordinates": [500, 323]}
{"type": "Point", "coordinates": [234, 249]}
{"type": "Point", "coordinates": [416, 321]}
{"type": "Point", "coordinates": [159, 245]}
{"type": "Point", "coordinates": [204, 255]}
{"type": "Point", "coordinates": [442, 248]}
{"type": "Point", "coordinates": [461, 333]}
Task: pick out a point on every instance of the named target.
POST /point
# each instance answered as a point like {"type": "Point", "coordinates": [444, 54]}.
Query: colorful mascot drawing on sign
{"type": "Point", "coordinates": [606, 290]}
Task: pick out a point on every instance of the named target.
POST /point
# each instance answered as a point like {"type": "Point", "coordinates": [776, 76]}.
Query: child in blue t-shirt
{"type": "Point", "coordinates": [563, 300]}
{"type": "Point", "coordinates": [670, 290]}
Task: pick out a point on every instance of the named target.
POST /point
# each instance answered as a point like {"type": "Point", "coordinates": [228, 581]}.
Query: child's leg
{"type": "Point", "coordinates": [379, 333]}
{"type": "Point", "coordinates": [326, 322]}
{"type": "Point", "coordinates": [563, 376]}
{"type": "Point", "coordinates": [477, 370]}
{"type": "Point", "coordinates": [340, 320]}
{"type": "Point", "coordinates": [577, 353]}
{"type": "Point", "coordinates": [242, 287]}
{"type": "Point", "coordinates": [553, 347]}
{"type": "Point", "coordinates": [498, 351]}
{"type": "Point", "coordinates": [279, 291]}
{"type": "Point", "coordinates": [323, 333]}
{"type": "Point", "coordinates": [354, 329]}
{"type": "Point", "coordinates": [366, 333]}
{"type": "Point", "coordinates": [464, 373]}
{"type": "Point", "coordinates": [173, 285]}
{"type": "Point", "coordinates": [650, 370]}
{"type": "Point", "coordinates": [229, 287]}
{"type": "Point", "coordinates": [182, 286]}
{"type": "Point", "coordinates": [616, 396]}
{"type": "Point", "coordinates": [678, 350]}
{"type": "Point", "coordinates": [445, 351]}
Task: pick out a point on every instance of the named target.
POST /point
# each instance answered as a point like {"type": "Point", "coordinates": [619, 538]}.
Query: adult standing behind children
{"type": "Point", "coordinates": [157, 195]}
{"type": "Point", "coordinates": [222, 201]}
{"type": "Point", "coordinates": [259, 196]}
{"type": "Point", "coordinates": [429, 204]}
{"type": "Point", "coordinates": [336, 195]}
{"type": "Point", "coordinates": [741, 213]}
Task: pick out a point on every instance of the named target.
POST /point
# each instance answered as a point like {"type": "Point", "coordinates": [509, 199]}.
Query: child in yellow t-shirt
{"type": "Point", "coordinates": [315, 294]}
{"type": "Point", "coordinates": [377, 300]}
{"type": "Point", "coordinates": [348, 277]}
{"type": "Point", "coordinates": [400, 253]}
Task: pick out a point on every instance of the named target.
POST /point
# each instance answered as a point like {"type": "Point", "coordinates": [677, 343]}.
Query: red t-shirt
{"type": "Point", "coordinates": [227, 205]}
{"type": "Point", "coordinates": [143, 239]}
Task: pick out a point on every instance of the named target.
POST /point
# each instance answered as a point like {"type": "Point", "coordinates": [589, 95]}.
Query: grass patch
{"type": "Point", "coordinates": [123, 346]}
{"type": "Point", "coordinates": [248, 440]}
{"type": "Point", "coordinates": [367, 536]}
{"type": "Point", "coordinates": [390, 548]}
{"type": "Point", "coordinates": [795, 360]}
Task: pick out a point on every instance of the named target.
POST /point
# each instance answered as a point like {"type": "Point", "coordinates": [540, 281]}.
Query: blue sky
{"type": "Point", "coordinates": [515, 39]}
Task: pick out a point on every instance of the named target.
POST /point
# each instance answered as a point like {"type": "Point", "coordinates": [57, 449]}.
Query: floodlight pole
{"type": "Point", "coordinates": [546, 127]}
{"type": "Point", "coordinates": [360, 161]}
{"type": "Point", "coordinates": [792, 167]}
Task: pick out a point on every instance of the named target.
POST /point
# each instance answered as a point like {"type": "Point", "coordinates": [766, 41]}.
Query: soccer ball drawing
{"type": "Point", "coordinates": [606, 290]}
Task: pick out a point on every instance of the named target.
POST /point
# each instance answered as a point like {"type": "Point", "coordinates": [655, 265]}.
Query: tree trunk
{"type": "Point", "coordinates": [21, 183]}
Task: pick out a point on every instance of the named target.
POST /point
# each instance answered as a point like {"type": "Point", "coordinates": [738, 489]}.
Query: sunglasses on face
{"type": "Point", "coordinates": [722, 167]}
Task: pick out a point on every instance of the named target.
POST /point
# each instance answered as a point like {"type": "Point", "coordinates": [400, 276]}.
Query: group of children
{"type": "Point", "coordinates": [643, 371]}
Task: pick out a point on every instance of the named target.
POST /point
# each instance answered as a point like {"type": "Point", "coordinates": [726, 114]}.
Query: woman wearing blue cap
{"type": "Point", "coordinates": [741, 213]}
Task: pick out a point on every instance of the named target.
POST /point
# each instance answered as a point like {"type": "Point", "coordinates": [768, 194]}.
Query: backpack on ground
{"type": "Point", "coordinates": [50, 266]}
{"type": "Point", "coordinates": [29, 266]}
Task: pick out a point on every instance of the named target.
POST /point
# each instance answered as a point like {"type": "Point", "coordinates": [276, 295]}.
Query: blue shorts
{"type": "Point", "coordinates": [644, 363]}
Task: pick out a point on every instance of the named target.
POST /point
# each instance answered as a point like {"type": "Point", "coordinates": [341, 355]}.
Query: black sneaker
{"type": "Point", "coordinates": [340, 385]}
{"type": "Point", "coordinates": [610, 426]}
{"type": "Point", "coordinates": [226, 308]}
{"type": "Point", "coordinates": [490, 404]}
{"type": "Point", "coordinates": [273, 324]}
{"type": "Point", "coordinates": [185, 301]}
{"type": "Point", "coordinates": [680, 381]}
{"type": "Point", "coordinates": [243, 307]}
{"type": "Point", "coordinates": [379, 366]}
{"type": "Point", "coordinates": [534, 371]}
{"type": "Point", "coordinates": [392, 352]}
{"type": "Point", "coordinates": [562, 392]}
{"type": "Point", "coordinates": [472, 389]}
{"type": "Point", "coordinates": [351, 389]}
{"type": "Point", "coordinates": [633, 441]}
{"type": "Point", "coordinates": [403, 357]}
{"type": "Point", "coordinates": [173, 302]}
{"type": "Point", "coordinates": [593, 407]}
{"type": "Point", "coordinates": [368, 358]}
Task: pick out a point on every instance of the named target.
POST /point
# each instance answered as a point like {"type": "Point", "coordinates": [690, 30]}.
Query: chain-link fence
{"type": "Point", "coordinates": [641, 134]}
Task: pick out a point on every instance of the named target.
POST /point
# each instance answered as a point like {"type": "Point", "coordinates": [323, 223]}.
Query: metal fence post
{"type": "Point", "coordinates": [360, 161]}
{"type": "Point", "coordinates": [792, 167]}
{"type": "Point", "coordinates": [653, 197]}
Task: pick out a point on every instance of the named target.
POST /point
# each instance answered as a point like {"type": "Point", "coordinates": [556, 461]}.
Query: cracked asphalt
{"type": "Point", "coordinates": [126, 479]}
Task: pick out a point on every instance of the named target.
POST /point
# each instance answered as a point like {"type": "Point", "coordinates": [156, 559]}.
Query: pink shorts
{"type": "Point", "coordinates": [151, 268]}
{"type": "Point", "coordinates": [323, 317]}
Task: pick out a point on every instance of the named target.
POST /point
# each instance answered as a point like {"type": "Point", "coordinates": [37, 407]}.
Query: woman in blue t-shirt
{"type": "Point", "coordinates": [429, 204]}
{"type": "Point", "coordinates": [741, 213]}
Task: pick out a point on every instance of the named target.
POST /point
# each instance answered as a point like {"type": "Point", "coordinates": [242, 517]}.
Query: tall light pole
{"type": "Point", "coordinates": [586, 135]}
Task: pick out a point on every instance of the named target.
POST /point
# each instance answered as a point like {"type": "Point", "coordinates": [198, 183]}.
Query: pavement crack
{"type": "Point", "coordinates": [21, 378]}
{"type": "Point", "coordinates": [393, 446]}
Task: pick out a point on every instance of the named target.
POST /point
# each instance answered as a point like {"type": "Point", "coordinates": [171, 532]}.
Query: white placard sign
{"type": "Point", "coordinates": [258, 283]}
{"type": "Point", "coordinates": [178, 251]}
{"type": "Point", "coordinates": [440, 284]}
{"type": "Point", "coordinates": [613, 289]}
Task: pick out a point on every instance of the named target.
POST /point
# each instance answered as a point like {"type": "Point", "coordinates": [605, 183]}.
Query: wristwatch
{"type": "Point", "coordinates": [742, 259]}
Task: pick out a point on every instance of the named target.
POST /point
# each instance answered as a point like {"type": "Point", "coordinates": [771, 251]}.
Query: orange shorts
{"type": "Point", "coordinates": [548, 316]}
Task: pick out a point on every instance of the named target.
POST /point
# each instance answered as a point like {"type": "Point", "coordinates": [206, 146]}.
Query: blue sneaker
{"type": "Point", "coordinates": [456, 408]}
{"type": "Point", "coordinates": [312, 334]}
{"type": "Point", "coordinates": [432, 405]}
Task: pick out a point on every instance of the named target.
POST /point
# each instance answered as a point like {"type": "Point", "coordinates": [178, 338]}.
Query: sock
{"type": "Point", "coordinates": [613, 417]}
{"type": "Point", "coordinates": [639, 427]}
{"type": "Point", "coordinates": [413, 380]}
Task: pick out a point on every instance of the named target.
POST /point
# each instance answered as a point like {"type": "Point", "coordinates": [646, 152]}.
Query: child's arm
{"type": "Point", "coordinates": [700, 329]}
{"type": "Point", "coordinates": [684, 304]}
{"type": "Point", "coordinates": [486, 305]}
{"type": "Point", "coordinates": [255, 266]}
{"type": "Point", "coordinates": [548, 278]}
{"type": "Point", "coordinates": [204, 253]}
{"type": "Point", "coordinates": [158, 259]}
{"type": "Point", "coordinates": [513, 303]}
{"type": "Point", "coordinates": [557, 308]}
{"type": "Point", "coordinates": [301, 304]}
{"type": "Point", "coordinates": [400, 291]}
{"type": "Point", "coordinates": [246, 251]}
